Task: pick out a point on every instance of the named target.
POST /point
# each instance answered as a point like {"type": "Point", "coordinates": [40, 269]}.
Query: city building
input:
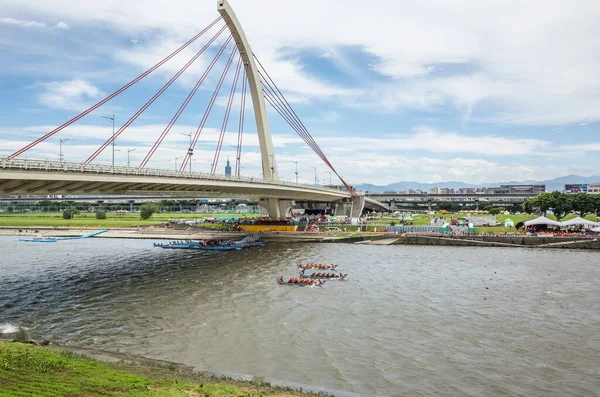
{"type": "Point", "coordinates": [593, 188]}
{"type": "Point", "coordinates": [228, 169]}
{"type": "Point", "coordinates": [517, 189]}
{"type": "Point", "coordinates": [434, 190]}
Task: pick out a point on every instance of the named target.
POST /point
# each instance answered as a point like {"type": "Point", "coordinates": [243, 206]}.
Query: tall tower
{"type": "Point", "coordinates": [228, 168]}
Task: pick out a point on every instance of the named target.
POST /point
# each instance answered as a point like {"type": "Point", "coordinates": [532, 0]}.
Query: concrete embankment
{"type": "Point", "coordinates": [501, 241]}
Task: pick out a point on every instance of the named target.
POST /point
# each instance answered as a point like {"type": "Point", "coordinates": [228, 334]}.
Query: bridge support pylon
{"type": "Point", "coordinates": [276, 208]}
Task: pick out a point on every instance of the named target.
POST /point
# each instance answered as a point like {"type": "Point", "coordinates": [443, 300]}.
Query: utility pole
{"type": "Point", "coordinates": [129, 151]}
{"type": "Point", "coordinates": [60, 153]}
{"type": "Point", "coordinates": [296, 171]}
{"type": "Point", "coordinates": [190, 149]}
{"type": "Point", "coordinates": [113, 140]}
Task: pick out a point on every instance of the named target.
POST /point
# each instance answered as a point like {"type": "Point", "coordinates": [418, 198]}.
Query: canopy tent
{"type": "Point", "coordinates": [408, 218]}
{"type": "Point", "coordinates": [509, 223]}
{"type": "Point", "coordinates": [579, 221]}
{"type": "Point", "coordinates": [542, 220]}
{"type": "Point", "coordinates": [597, 230]}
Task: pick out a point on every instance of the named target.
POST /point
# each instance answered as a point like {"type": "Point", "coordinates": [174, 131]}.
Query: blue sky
{"type": "Point", "coordinates": [475, 91]}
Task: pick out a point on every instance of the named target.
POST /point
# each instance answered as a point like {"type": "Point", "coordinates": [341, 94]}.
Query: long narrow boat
{"type": "Point", "coordinates": [315, 266]}
{"type": "Point", "coordinates": [215, 247]}
{"type": "Point", "coordinates": [317, 283]}
{"type": "Point", "coordinates": [177, 244]}
{"type": "Point", "coordinates": [41, 239]}
{"type": "Point", "coordinates": [334, 276]}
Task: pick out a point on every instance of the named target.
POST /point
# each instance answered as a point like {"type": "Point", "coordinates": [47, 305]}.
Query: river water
{"type": "Point", "coordinates": [408, 321]}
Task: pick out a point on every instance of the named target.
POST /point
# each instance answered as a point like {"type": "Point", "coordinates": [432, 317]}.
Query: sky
{"type": "Point", "coordinates": [428, 91]}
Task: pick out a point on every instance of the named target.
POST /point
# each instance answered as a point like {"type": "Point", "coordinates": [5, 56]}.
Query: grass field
{"type": "Point", "coordinates": [27, 370]}
{"type": "Point", "coordinates": [89, 219]}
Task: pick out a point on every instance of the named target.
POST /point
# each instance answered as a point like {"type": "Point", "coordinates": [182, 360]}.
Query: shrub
{"type": "Point", "coordinates": [148, 209]}
{"type": "Point", "coordinates": [100, 215]}
{"type": "Point", "coordinates": [70, 213]}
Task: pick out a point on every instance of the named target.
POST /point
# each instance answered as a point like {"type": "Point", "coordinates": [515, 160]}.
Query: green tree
{"type": "Point", "coordinates": [596, 204]}
{"type": "Point", "coordinates": [100, 215]}
{"type": "Point", "coordinates": [148, 209]}
{"type": "Point", "coordinates": [582, 203]}
{"type": "Point", "coordinates": [70, 213]}
{"type": "Point", "coordinates": [494, 211]}
{"type": "Point", "coordinates": [560, 203]}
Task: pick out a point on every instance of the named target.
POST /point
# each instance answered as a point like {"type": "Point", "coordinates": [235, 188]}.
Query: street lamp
{"type": "Point", "coordinates": [316, 179]}
{"type": "Point", "coordinates": [329, 178]}
{"type": "Point", "coordinates": [296, 171]}
{"type": "Point", "coordinates": [113, 134]}
{"type": "Point", "coordinates": [190, 149]}
{"type": "Point", "coordinates": [60, 153]}
{"type": "Point", "coordinates": [177, 158]}
{"type": "Point", "coordinates": [129, 151]}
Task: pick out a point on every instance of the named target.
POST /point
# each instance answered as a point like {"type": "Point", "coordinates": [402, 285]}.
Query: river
{"type": "Point", "coordinates": [408, 321]}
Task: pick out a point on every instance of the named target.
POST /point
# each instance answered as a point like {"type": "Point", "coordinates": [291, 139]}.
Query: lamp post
{"type": "Point", "coordinates": [60, 153]}
{"type": "Point", "coordinates": [190, 149]}
{"type": "Point", "coordinates": [329, 178]}
{"type": "Point", "coordinates": [113, 140]}
{"type": "Point", "coordinates": [129, 151]}
{"type": "Point", "coordinates": [316, 179]}
{"type": "Point", "coordinates": [177, 158]}
{"type": "Point", "coordinates": [296, 171]}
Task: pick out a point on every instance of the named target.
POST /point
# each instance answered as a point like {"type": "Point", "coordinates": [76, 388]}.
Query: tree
{"type": "Point", "coordinates": [596, 204]}
{"type": "Point", "coordinates": [494, 211]}
{"type": "Point", "coordinates": [560, 204]}
{"type": "Point", "coordinates": [70, 213]}
{"type": "Point", "coordinates": [100, 215]}
{"type": "Point", "coordinates": [148, 209]}
{"type": "Point", "coordinates": [582, 203]}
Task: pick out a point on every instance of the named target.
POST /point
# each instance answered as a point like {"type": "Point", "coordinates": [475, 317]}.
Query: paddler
{"type": "Point", "coordinates": [281, 279]}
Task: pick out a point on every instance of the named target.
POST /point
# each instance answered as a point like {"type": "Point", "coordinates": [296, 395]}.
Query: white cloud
{"type": "Point", "coordinates": [27, 24]}
{"type": "Point", "coordinates": [62, 25]}
{"type": "Point", "coordinates": [71, 95]}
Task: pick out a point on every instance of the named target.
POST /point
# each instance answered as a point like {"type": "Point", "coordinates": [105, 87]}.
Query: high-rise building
{"type": "Point", "coordinates": [228, 169]}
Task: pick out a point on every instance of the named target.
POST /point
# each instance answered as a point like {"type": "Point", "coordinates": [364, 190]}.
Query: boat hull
{"type": "Point", "coordinates": [341, 277]}
{"type": "Point", "coordinates": [315, 267]}
{"type": "Point", "coordinates": [299, 285]}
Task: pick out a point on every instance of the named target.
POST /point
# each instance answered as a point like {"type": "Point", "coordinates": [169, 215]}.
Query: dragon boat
{"type": "Point", "coordinates": [316, 266]}
{"type": "Point", "coordinates": [332, 276]}
{"type": "Point", "coordinates": [187, 244]}
{"type": "Point", "coordinates": [316, 283]}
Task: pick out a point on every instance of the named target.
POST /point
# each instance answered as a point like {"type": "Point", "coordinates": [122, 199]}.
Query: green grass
{"type": "Point", "coordinates": [89, 219]}
{"type": "Point", "coordinates": [27, 370]}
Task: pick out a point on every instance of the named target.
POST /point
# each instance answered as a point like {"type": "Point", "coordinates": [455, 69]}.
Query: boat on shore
{"type": "Point", "coordinates": [319, 266]}
{"type": "Point", "coordinates": [266, 224]}
{"type": "Point", "coordinates": [313, 283]}
{"type": "Point", "coordinates": [41, 239]}
{"type": "Point", "coordinates": [332, 276]}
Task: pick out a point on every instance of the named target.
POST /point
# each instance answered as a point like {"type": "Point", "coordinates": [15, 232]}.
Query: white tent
{"type": "Point", "coordinates": [597, 230]}
{"type": "Point", "coordinates": [579, 221]}
{"type": "Point", "coordinates": [542, 220]}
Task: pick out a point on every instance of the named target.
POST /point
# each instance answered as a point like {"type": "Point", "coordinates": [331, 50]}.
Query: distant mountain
{"type": "Point", "coordinates": [552, 184]}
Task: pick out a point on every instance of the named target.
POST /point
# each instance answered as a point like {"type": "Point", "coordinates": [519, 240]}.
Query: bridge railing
{"type": "Point", "coordinates": [64, 166]}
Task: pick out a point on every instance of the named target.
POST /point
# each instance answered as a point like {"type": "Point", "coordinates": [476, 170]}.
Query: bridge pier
{"type": "Point", "coordinates": [276, 208]}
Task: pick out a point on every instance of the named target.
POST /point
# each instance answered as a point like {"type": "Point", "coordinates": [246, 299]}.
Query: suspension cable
{"type": "Point", "coordinates": [208, 109]}
{"type": "Point", "coordinates": [151, 100]}
{"type": "Point", "coordinates": [114, 94]}
{"type": "Point", "coordinates": [184, 104]}
{"type": "Point", "coordinates": [238, 158]}
{"type": "Point", "coordinates": [236, 76]}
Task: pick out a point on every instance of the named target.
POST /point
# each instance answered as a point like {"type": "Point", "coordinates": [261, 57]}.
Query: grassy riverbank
{"type": "Point", "coordinates": [89, 219]}
{"type": "Point", "coordinates": [27, 370]}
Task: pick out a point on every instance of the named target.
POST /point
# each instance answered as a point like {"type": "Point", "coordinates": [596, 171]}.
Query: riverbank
{"type": "Point", "coordinates": [367, 238]}
{"type": "Point", "coordinates": [51, 371]}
